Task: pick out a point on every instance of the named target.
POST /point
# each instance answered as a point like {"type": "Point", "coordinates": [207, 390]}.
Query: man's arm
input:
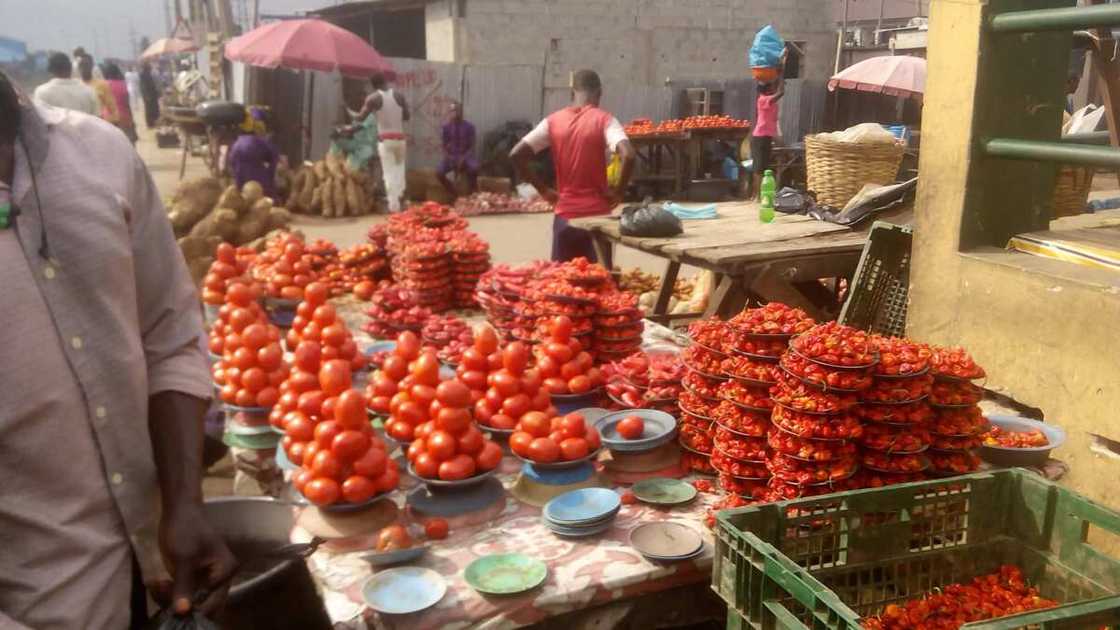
{"type": "Point", "coordinates": [406, 115]}
{"type": "Point", "coordinates": [178, 389]}
{"type": "Point", "coordinates": [371, 105]}
{"type": "Point", "coordinates": [780, 90]}
{"type": "Point", "coordinates": [627, 155]}
{"type": "Point", "coordinates": [534, 142]}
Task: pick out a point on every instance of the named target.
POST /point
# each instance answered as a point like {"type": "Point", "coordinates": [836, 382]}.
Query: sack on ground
{"type": "Point", "coordinates": [649, 221]}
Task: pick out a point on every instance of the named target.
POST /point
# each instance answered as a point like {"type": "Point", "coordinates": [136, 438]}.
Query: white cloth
{"type": "Point", "coordinates": [132, 79]}
{"type": "Point", "coordinates": [539, 139]}
{"type": "Point", "coordinates": [390, 118]}
{"type": "Point", "coordinates": [393, 155]}
{"type": "Point", "coordinates": [68, 94]}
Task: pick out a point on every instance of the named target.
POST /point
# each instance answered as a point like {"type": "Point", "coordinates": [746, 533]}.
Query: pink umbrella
{"type": "Point", "coordinates": [168, 46]}
{"type": "Point", "coordinates": [307, 45]}
{"type": "Point", "coordinates": [895, 76]}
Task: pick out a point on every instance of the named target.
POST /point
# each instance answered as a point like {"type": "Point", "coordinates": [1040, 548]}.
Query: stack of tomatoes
{"type": "Point", "coordinates": [285, 267]}
{"type": "Point", "coordinates": [645, 381]}
{"type": "Point", "coordinates": [700, 403]}
{"type": "Point", "coordinates": [470, 258]}
{"type": "Point", "coordinates": [229, 264]}
{"type": "Point", "coordinates": [327, 433]}
{"type": "Point", "coordinates": [499, 292]}
{"type": "Point", "coordinates": [392, 312]}
{"type": "Point", "coordinates": [449, 446]}
{"type": "Point", "coordinates": [545, 438]}
{"type": "Point", "coordinates": [503, 387]}
{"type": "Point", "coordinates": [252, 365]}
{"type": "Point", "coordinates": [958, 425]}
{"type": "Point", "coordinates": [563, 362]}
{"type": "Point", "coordinates": [363, 264]}
{"type": "Point", "coordinates": [424, 269]}
{"type": "Point", "coordinates": [448, 335]}
{"type": "Point", "coordinates": [415, 373]}
{"type": "Point", "coordinates": [895, 412]}
{"type": "Point", "coordinates": [316, 320]}
{"type": "Point", "coordinates": [821, 376]}
{"type": "Point", "coordinates": [618, 326]}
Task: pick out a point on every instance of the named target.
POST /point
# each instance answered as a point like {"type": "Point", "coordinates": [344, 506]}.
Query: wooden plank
{"type": "Point", "coordinates": [665, 293]}
{"type": "Point", "coordinates": [750, 233]}
{"type": "Point", "coordinates": [734, 258]}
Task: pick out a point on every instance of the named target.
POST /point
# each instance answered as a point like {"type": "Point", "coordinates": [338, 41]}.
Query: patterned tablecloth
{"type": "Point", "coordinates": [582, 572]}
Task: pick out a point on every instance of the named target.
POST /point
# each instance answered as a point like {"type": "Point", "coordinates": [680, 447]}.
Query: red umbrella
{"type": "Point", "coordinates": [307, 45]}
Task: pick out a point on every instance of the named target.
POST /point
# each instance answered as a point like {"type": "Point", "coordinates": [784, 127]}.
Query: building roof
{"type": "Point", "coordinates": [348, 9]}
{"type": "Point", "coordinates": [868, 10]}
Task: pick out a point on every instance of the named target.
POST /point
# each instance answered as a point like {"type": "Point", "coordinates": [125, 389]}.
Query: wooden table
{"type": "Point", "coordinates": [780, 261]}
{"type": "Point", "coordinates": [685, 151]}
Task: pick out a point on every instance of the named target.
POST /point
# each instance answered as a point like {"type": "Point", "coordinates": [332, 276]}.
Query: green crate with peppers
{"type": "Point", "coordinates": [827, 562]}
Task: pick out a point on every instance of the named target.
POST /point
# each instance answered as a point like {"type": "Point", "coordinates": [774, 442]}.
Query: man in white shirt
{"type": "Point", "coordinates": [64, 91]}
{"type": "Point", "coordinates": [390, 109]}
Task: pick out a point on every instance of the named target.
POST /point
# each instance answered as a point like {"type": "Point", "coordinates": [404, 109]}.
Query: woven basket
{"type": "Point", "coordinates": [838, 170]}
{"type": "Point", "coordinates": [1071, 191]}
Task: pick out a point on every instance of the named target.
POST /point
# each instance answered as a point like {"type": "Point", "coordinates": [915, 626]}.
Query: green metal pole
{"type": "Point", "coordinates": [1067, 19]}
{"type": "Point", "coordinates": [1064, 153]}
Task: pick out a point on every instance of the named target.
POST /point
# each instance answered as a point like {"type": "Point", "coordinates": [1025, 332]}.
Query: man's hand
{"type": "Point", "coordinates": [549, 195]}
{"type": "Point", "coordinates": [197, 559]}
{"type": "Point", "coordinates": [614, 197]}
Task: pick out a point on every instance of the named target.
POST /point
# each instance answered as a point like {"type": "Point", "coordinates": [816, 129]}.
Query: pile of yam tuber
{"type": "Point", "coordinates": [203, 215]}
{"type": "Point", "coordinates": [331, 188]}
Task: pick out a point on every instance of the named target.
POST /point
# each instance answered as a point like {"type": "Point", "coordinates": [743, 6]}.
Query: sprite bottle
{"type": "Point", "coordinates": [766, 197]}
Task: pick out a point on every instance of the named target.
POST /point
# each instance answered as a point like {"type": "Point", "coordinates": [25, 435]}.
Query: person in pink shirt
{"type": "Point", "coordinates": [119, 89]}
{"type": "Point", "coordinates": [765, 128]}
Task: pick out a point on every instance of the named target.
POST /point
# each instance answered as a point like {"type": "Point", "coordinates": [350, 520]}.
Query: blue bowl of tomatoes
{"type": "Point", "coordinates": [636, 430]}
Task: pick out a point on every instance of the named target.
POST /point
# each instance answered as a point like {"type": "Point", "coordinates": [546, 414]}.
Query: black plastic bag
{"type": "Point", "coordinates": [649, 220]}
{"type": "Point", "coordinates": [168, 620]}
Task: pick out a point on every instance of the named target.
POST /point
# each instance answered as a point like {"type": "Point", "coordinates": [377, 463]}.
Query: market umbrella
{"type": "Point", "coordinates": [168, 46]}
{"type": "Point", "coordinates": [307, 45]}
{"type": "Point", "coordinates": [895, 76]}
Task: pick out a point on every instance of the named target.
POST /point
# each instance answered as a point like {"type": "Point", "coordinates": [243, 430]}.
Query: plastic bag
{"type": "Point", "coordinates": [863, 133]}
{"type": "Point", "coordinates": [767, 49]}
{"type": "Point", "coordinates": [649, 221]}
{"type": "Point", "coordinates": [614, 171]}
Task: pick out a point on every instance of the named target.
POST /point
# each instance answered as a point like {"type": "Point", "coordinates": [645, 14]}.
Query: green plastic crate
{"type": "Point", "coordinates": [824, 562]}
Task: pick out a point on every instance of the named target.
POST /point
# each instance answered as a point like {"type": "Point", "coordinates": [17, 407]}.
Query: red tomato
{"type": "Point", "coordinates": [573, 425]}
{"type": "Point", "coordinates": [556, 385]}
{"type": "Point", "coordinates": [631, 427]}
{"type": "Point", "coordinates": [244, 358]}
{"type": "Point", "coordinates": [300, 478]}
{"type": "Point", "coordinates": [579, 385]}
{"type": "Point", "coordinates": [434, 408]}
{"type": "Point", "coordinates": [483, 411]}
{"type": "Point", "coordinates": [295, 452]}
{"type": "Point", "coordinates": [494, 398]}
{"type": "Point", "coordinates": [334, 377]}
{"type": "Point", "coordinates": [300, 381]}
{"type": "Point", "coordinates": [502, 421]}
{"type": "Point", "coordinates": [442, 445]}
{"type": "Point", "coordinates": [299, 426]}
{"type": "Point", "coordinates": [254, 379]}
{"type": "Point", "coordinates": [471, 441]}
{"type": "Point", "coordinates": [358, 489]}
{"type": "Point", "coordinates": [505, 382]}
{"type": "Point", "coordinates": [392, 538]}
{"type": "Point", "coordinates": [490, 457]}
{"type": "Point", "coordinates": [517, 406]}
{"type": "Point", "coordinates": [307, 356]}
{"type": "Point", "coordinates": [417, 448]}
{"type": "Point", "coordinates": [412, 413]}
{"type": "Point", "coordinates": [324, 316]}
{"type": "Point", "coordinates": [270, 357]}
{"type": "Point", "coordinates": [289, 399]}
{"type": "Point", "coordinates": [542, 401]}
{"type": "Point", "coordinates": [326, 464]}
{"type": "Point", "coordinates": [408, 346]}
{"type": "Point", "coordinates": [561, 328]}
{"type": "Point", "coordinates": [229, 394]}
{"type": "Point", "coordinates": [382, 385]}
{"type": "Point", "coordinates": [350, 410]}
{"type": "Point", "coordinates": [312, 332]}
{"type": "Point", "coordinates": [474, 379]}
{"type": "Point", "coordinates": [574, 448]}
{"type": "Point", "coordinates": [268, 397]}
{"type": "Point", "coordinates": [239, 294]}
{"type": "Point", "coordinates": [535, 423]}
{"type": "Point", "coordinates": [423, 394]}
{"type": "Point", "coordinates": [474, 359]}
{"type": "Point", "coordinates": [426, 369]}
{"type": "Point", "coordinates": [594, 441]}
{"type": "Point", "coordinates": [390, 478]}
{"type": "Point", "coordinates": [453, 394]}
{"type": "Point", "coordinates": [315, 293]}
{"type": "Point", "coordinates": [245, 398]}
{"type": "Point", "coordinates": [515, 357]}
{"type": "Point", "coordinates": [570, 370]}
{"type": "Point", "coordinates": [531, 382]}
{"type": "Point", "coordinates": [426, 466]}
{"type": "Point", "coordinates": [454, 421]}
{"type": "Point", "coordinates": [254, 337]}
{"type": "Point", "coordinates": [544, 450]}
{"type": "Point", "coordinates": [519, 442]}
{"type": "Point", "coordinates": [436, 529]}
{"type": "Point", "coordinates": [459, 467]}
{"type": "Point", "coordinates": [548, 367]}
{"type": "Point", "coordinates": [349, 445]}
{"type": "Point", "coordinates": [395, 367]}
{"type": "Point", "coordinates": [485, 339]}
{"type": "Point", "coordinates": [399, 431]}
{"type": "Point", "coordinates": [322, 491]}
{"type": "Point", "coordinates": [326, 432]}
{"type": "Point", "coordinates": [311, 403]}
{"type": "Point", "coordinates": [494, 361]}
{"type": "Point", "coordinates": [334, 334]}
{"type": "Point", "coordinates": [380, 404]}
{"type": "Point", "coordinates": [372, 463]}
{"type": "Point", "coordinates": [585, 361]}
{"type": "Point", "coordinates": [561, 353]}
{"type": "Point", "coordinates": [240, 319]}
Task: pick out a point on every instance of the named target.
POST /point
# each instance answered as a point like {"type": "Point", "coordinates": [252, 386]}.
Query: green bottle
{"type": "Point", "coordinates": [766, 197]}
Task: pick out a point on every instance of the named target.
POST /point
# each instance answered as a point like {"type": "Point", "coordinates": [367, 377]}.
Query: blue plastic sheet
{"type": "Point", "coordinates": [766, 51]}
{"type": "Point", "coordinates": [691, 213]}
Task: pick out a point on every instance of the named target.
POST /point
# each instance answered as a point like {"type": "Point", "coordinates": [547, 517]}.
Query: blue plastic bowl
{"type": "Point", "coordinates": [567, 403]}
{"type": "Point", "coordinates": [660, 427]}
{"type": "Point", "coordinates": [1034, 456]}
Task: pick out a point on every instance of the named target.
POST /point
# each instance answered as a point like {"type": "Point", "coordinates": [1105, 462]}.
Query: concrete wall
{"type": "Point", "coordinates": [1044, 330]}
{"type": "Point", "coordinates": [644, 42]}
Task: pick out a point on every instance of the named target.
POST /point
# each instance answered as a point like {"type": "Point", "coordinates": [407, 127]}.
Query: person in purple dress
{"type": "Point", "coordinates": [458, 152]}
{"type": "Point", "coordinates": [253, 157]}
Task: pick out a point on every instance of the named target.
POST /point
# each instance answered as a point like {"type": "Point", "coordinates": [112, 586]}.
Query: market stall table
{"type": "Point", "coordinates": [781, 261]}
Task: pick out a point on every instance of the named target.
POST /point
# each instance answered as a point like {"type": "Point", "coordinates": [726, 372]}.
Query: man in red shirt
{"type": "Point", "coordinates": [580, 136]}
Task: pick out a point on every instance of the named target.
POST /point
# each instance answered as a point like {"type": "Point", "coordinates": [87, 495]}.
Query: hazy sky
{"type": "Point", "coordinates": [102, 26]}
